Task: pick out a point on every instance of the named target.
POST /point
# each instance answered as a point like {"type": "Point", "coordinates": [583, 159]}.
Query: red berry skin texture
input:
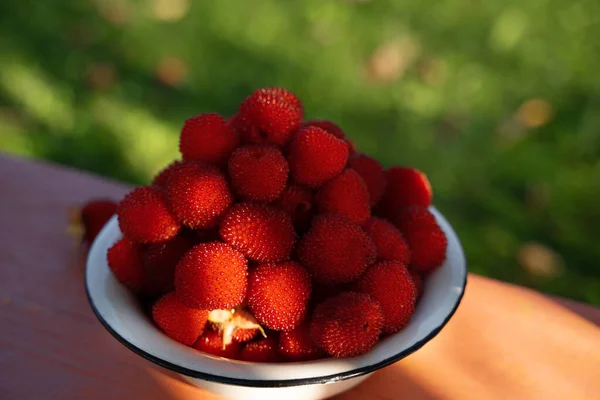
{"type": "Point", "coordinates": [262, 233]}
{"type": "Point", "coordinates": [418, 281]}
{"type": "Point", "coordinates": [388, 240]}
{"type": "Point", "coordinates": [347, 325]}
{"type": "Point", "coordinates": [372, 173]}
{"type": "Point", "coordinates": [390, 284]}
{"type": "Point", "coordinates": [244, 335]}
{"type": "Point", "coordinates": [93, 216]}
{"type": "Point", "coordinates": [297, 202]}
{"type": "Point", "coordinates": [263, 350]}
{"type": "Point", "coordinates": [297, 345]}
{"type": "Point", "coordinates": [211, 276]}
{"type": "Point", "coordinates": [316, 156]}
{"type": "Point", "coordinates": [145, 217]}
{"type": "Point", "coordinates": [125, 261]}
{"type": "Point", "coordinates": [159, 261]}
{"type": "Point", "coordinates": [179, 322]}
{"type": "Point", "coordinates": [210, 342]}
{"type": "Point", "coordinates": [335, 250]}
{"type": "Point", "coordinates": [405, 187]}
{"type": "Point", "coordinates": [258, 173]}
{"type": "Point", "coordinates": [208, 138]}
{"type": "Point", "coordinates": [269, 116]}
{"type": "Point", "coordinates": [162, 178]}
{"type": "Point", "coordinates": [199, 195]}
{"type": "Point", "coordinates": [426, 240]}
{"type": "Point", "coordinates": [278, 295]}
{"type": "Point", "coordinates": [345, 194]}
{"type": "Point", "coordinates": [335, 130]}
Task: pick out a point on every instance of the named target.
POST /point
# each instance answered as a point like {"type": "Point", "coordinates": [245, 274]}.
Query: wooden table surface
{"type": "Point", "coordinates": [505, 342]}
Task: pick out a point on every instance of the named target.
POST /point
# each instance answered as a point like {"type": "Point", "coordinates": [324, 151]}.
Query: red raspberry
{"type": "Point", "coordinates": [335, 250]}
{"type": "Point", "coordinates": [316, 156]}
{"type": "Point", "coordinates": [405, 187]}
{"type": "Point", "coordinates": [210, 342]}
{"type": "Point", "coordinates": [125, 261]}
{"type": "Point", "coordinates": [199, 195]}
{"type": "Point", "coordinates": [263, 233]}
{"type": "Point", "coordinates": [426, 240]}
{"type": "Point", "coordinates": [372, 173]}
{"type": "Point", "coordinates": [388, 240]}
{"type": "Point", "coordinates": [345, 194]}
{"type": "Point", "coordinates": [179, 322]}
{"type": "Point", "coordinates": [269, 116]}
{"type": "Point", "coordinates": [145, 216]}
{"type": "Point", "coordinates": [162, 178]}
{"type": "Point", "coordinates": [244, 335]}
{"type": "Point", "coordinates": [258, 173]}
{"type": "Point", "coordinates": [297, 345]}
{"type": "Point", "coordinates": [92, 217]}
{"type": "Point", "coordinates": [418, 281]}
{"type": "Point", "coordinates": [208, 138]}
{"type": "Point", "coordinates": [335, 130]}
{"type": "Point", "coordinates": [160, 260]}
{"type": "Point", "coordinates": [390, 284]}
{"type": "Point", "coordinates": [211, 276]}
{"type": "Point", "coordinates": [347, 325]}
{"type": "Point", "coordinates": [278, 295]}
{"type": "Point", "coordinates": [297, 202]}
{"type": "Point", "coordinates": [263, 350]}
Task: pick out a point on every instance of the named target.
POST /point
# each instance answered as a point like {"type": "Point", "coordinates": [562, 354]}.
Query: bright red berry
{"type": "Point", "coordinates": [162, 178]}
{"type": "Point", "coordinates": [263, 233]}
{"type": "Point", "coordinates": [258, 173]}
{"type": "Point", "coordinates": [390, 284]}
{"type": "Point", "coordinates": [297, 345]}
{"type": "Point", "coordinates": [297, 202]}
{"type": "Point", "coordinates": [316, 156]}
{"type": "Point", "coordinates": [405, 187]}
{"type": "Point", "coordinates": [263, 350]}
{"type": "Point", "coordinates": [244, 335]}
{"type": "Point", "coordinates": [211, 342]}
{"type": "Point", "coordinates": [335, 250]}
{"type": "Point", "coordinates": [347, 325]}
{"type": "Point", "coordinates": [125, 261]}
{"type": "Point", "coordinates": [388, 240]}
{"type": "Point", "coordinates": [372, 173]}
{"type": "Point", "coordinates": [211, 276]}
{"type": "Point", "coordinates": [278, 295]}
{"type": "Point", "coordinates": [269, 116]}
{"type": "Point", "coordinates": [145, 216]}
{"type": "Point", "coordinates": [179, 322]}
{"type": "Point", "coordinates": [426, 240]}
{"type": "Point", "coordinates": [160, 260]}
{"type": "Point", "coordinates": [94, 215]}
{"type": "Point", "coordinates": [335, 130]}
{"type": "Point", "coordinates": [345, 194]}
{"type": "Point", "coordinates": [418, 281]}
{"type": "Point", "coordinates": [208, 138]}
{"type": "Point", "coordinates": [199, 195]}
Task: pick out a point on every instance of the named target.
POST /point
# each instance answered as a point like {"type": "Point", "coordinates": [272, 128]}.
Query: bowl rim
{"type": "Point", "coordinates": [265, 383]}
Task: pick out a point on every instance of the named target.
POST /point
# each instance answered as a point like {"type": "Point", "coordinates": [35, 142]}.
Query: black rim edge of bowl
{"type": "Point", "coordinates": [277, 383]}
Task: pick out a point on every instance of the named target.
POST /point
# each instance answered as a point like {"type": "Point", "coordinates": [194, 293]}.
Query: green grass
{"type": "Point", "coordinates": [446, 95]}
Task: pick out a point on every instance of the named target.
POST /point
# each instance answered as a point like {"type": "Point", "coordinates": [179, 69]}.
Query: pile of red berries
{"type": "Point", "coordinates": [274, 240]}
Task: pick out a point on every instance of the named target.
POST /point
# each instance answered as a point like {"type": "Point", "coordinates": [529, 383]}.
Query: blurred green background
{"type": "Point", "coordinates": [498, 102]}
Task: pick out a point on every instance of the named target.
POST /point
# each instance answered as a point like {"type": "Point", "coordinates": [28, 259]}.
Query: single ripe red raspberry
{"type": "Point", "coordinates": [335, 250]}
{"type": "Point", "coordinates": [347, 325]}
{"type": "Point", "coordinates": [345, 194]}
{"type": "Point", "coordinates": [316, 156]}
{"type": "Point", "coordinates": [258, 173]}
{"type": "Point", "coordinates": [426, 240]}
{"type": "Point", "coordinates": [278, 295]}
{"type": "Point", "coordinates": [125, 261]}
{"type": "Point", "coordinates": [145, 216]}
{"type": "Point", "coordinates": [244, 335]}
{"type": "Point", "coordinates": [269, 116]}
{"type": "Point", "coordinates": [372, 173]}
{"type": "Point", "coordinates": [208, 138]}
{"type": "Point", "coordinates": [335, 130]}
{"type": "Point", "coordinates": [390, 284]}
{"type": "Point", "coordinates": [263, 233]}
{"type": "Point", "coordinates": [211, 276]}
{"type": "Point", "coordinates": [179, 322]}
{"type": "Point", "coordinates": [160, 260]}
{"type": "Point", "coordinates": [162, 178]}
{"type": "Point", "coordinates": [199, 195]}
{"type": "Point", "coordinates": [210, 342]}
{"type": "Point", "coordinates": [297, 202]}
{"type": "Point", "coordinates": [263, 350]}
{"type": "Point", "coordinates": [297, 345]}
{"type": "Point", "coordinates": [388, 240]}
{"type": "Point", "coordinates": [87, 221]}
{"type": "Point", "coordinates": [405, 187]}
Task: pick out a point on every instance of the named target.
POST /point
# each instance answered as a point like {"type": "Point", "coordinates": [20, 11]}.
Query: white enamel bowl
{"type": "Point", "coordinates": [123, 317]}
